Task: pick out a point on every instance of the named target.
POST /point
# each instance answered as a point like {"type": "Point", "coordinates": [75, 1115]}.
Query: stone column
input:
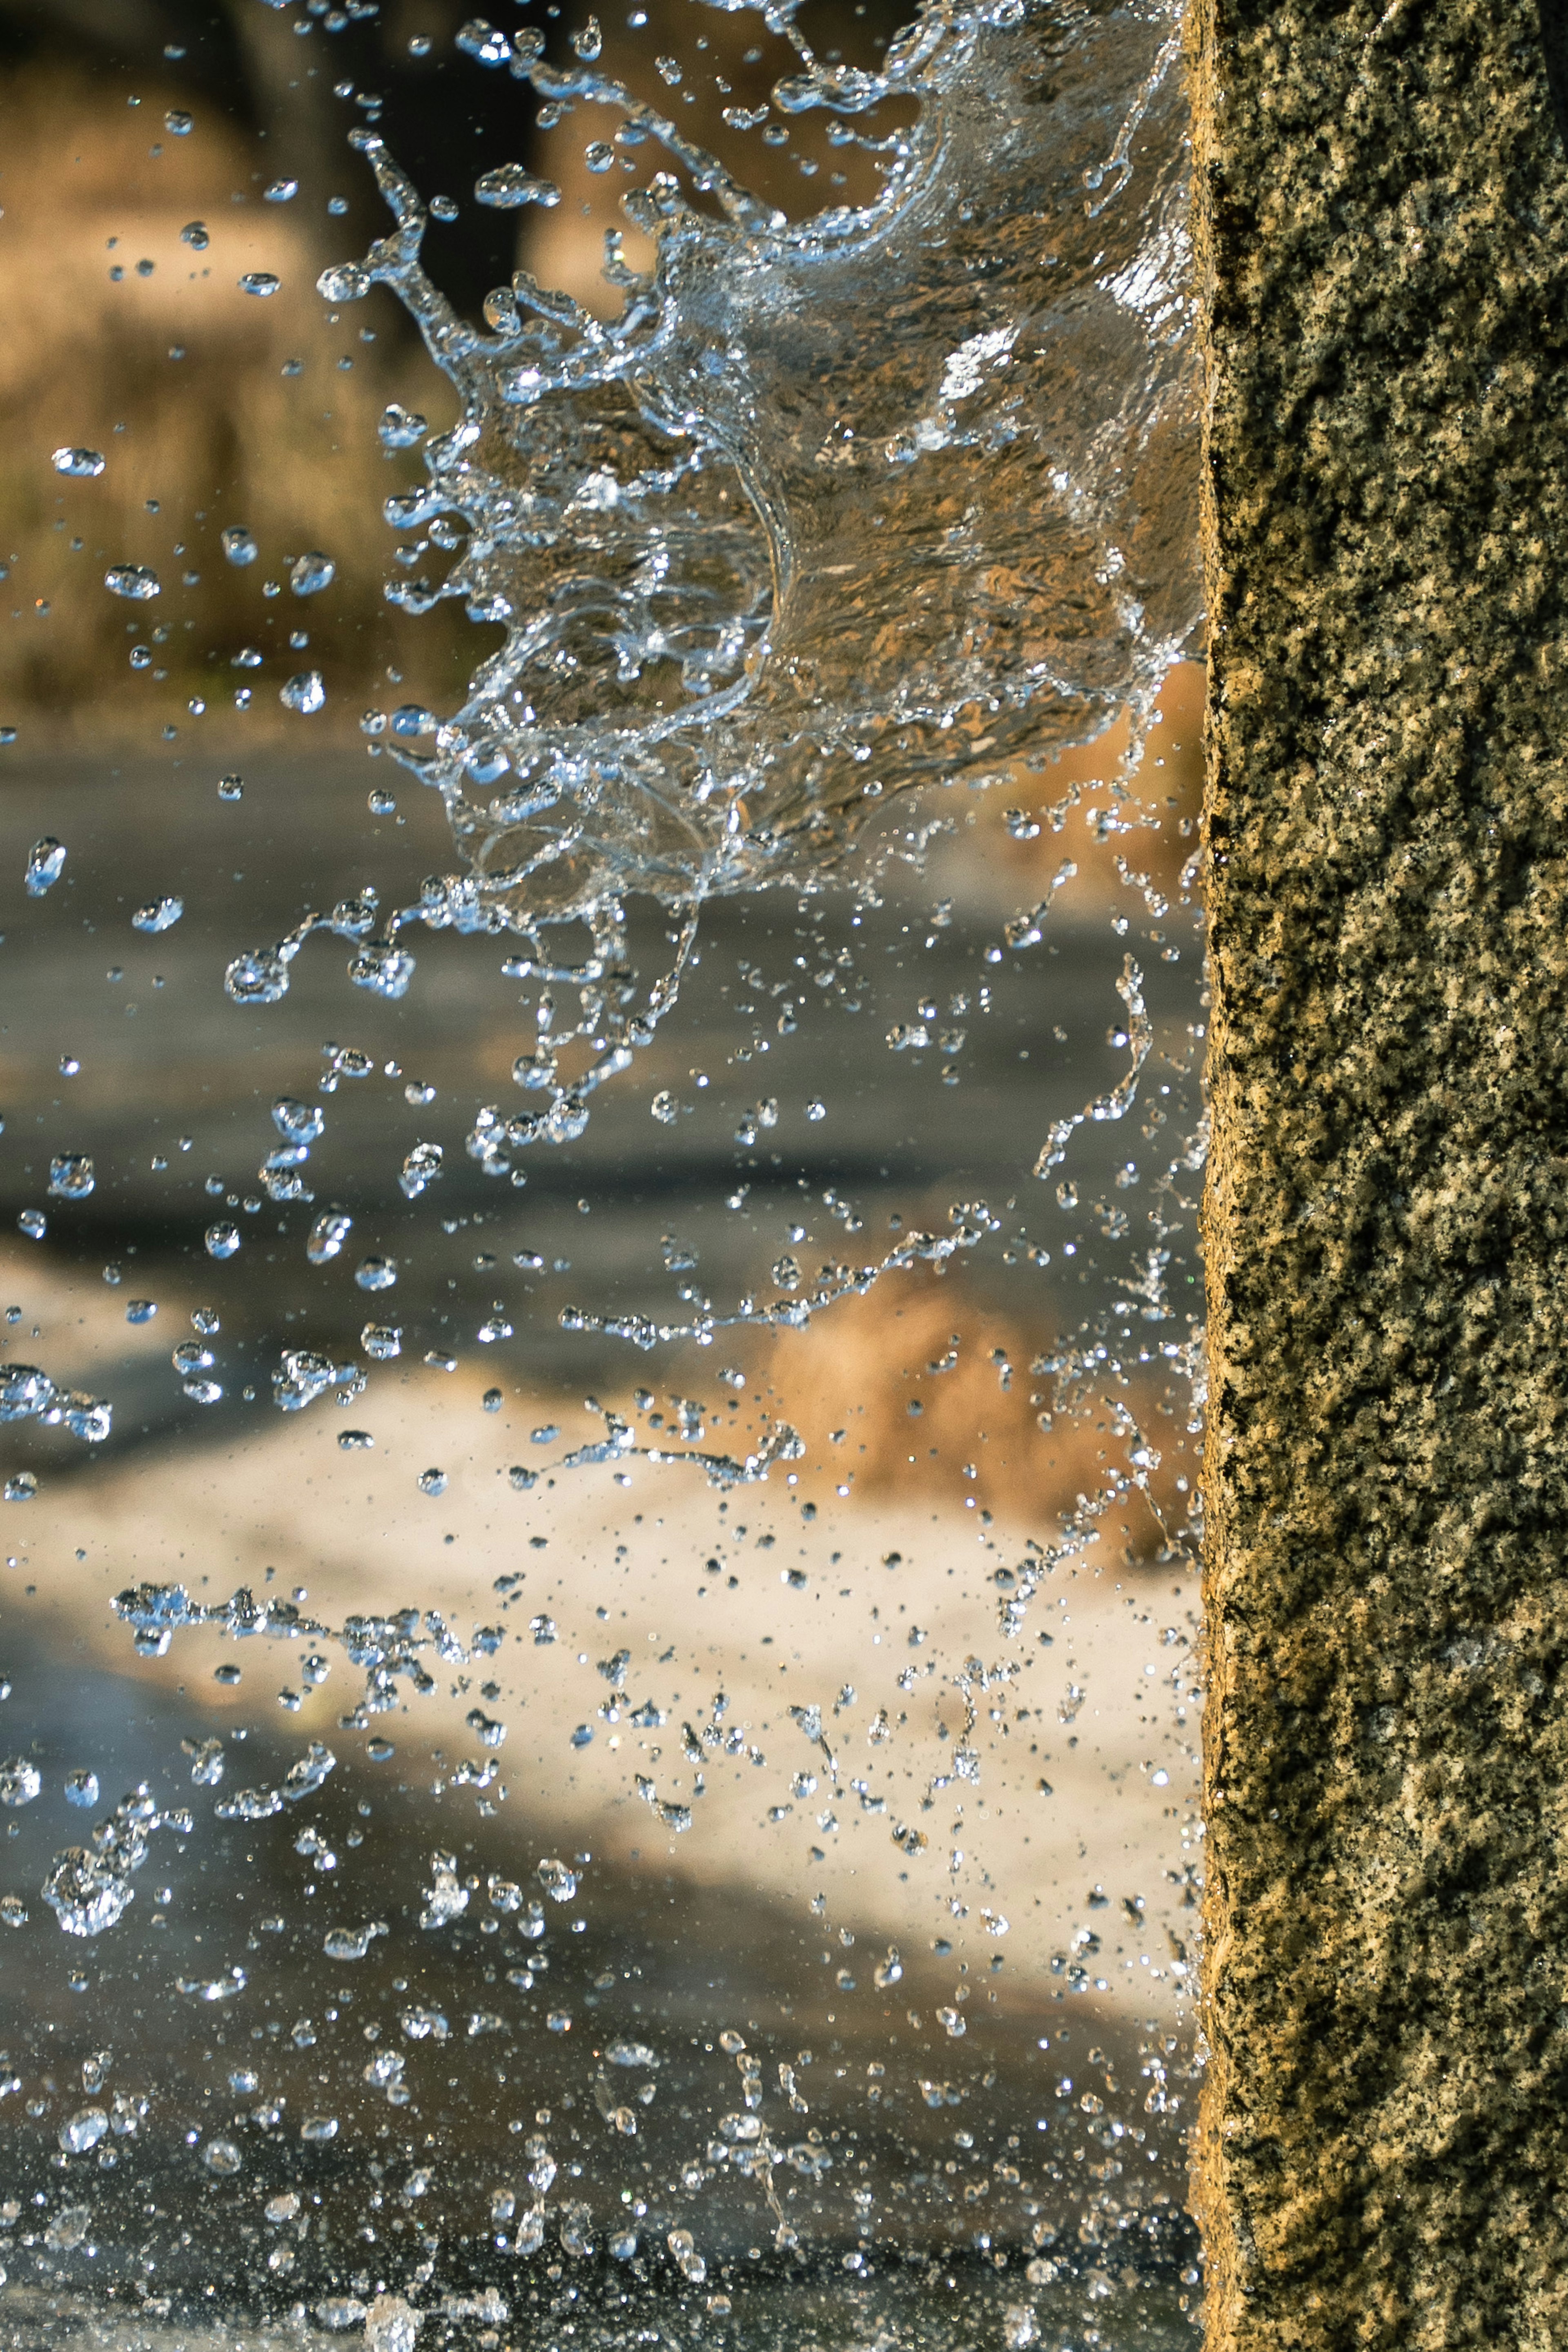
{"type": "Point", "coordinates": [1383, 231]}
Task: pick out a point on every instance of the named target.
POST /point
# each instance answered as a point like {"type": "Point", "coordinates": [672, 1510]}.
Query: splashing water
{"type": "Point", "coordinates": [701, 526]}
{"type": "Point", "coordinates": [894, 498]}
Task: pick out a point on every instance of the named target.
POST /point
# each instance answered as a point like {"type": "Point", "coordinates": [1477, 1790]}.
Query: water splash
{"type": "Point", "coordinates": [892, 496]}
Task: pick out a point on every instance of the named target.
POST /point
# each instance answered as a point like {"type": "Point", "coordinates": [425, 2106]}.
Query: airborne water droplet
{"type": "Point", "coordinates": [509, 186]}
{"type": "Point", "coordinates": [46, 863]}
{"type": "Point", "coordinates": [136, 582]}
{"type": "Point", "coordinates": [260, 281]}
{"type": "Point", "coordinates": [401, 428]}
{"type": "Point", "coordinates": [71, 1176]}
{"type": "Point", "coordinates": [86, 463]}
{"type": "Point", "coordinates": [159, 914]}
{"type": "Point", "coordinates": [310, 573]}
{"type": "Point", "coordinates": [303, 692]}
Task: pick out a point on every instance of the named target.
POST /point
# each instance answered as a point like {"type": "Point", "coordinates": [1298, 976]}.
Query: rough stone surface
{"type": "Point", "coordinates": [1382, 218]}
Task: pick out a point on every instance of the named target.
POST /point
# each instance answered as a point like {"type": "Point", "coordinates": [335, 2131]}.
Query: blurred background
{"type": "Point", "coordinates": [990, 2133]}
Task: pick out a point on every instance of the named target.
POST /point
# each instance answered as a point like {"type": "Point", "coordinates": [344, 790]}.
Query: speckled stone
{"type": "Point", "coordinates": [1383, 225]}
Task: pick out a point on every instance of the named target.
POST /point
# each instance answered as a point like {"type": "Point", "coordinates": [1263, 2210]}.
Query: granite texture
{"type": "Point", "coordinates": [1383, 235]}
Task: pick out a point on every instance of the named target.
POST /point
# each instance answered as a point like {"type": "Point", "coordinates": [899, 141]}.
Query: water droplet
{"type": "Point", "coordinates": [88, 1891]}
{"type": "Point", "coordinates": [309, 574]}
{"type": "Point", "coordinates": [238, 546]}
{"type": "Point", "coordinates": [508, 185]}
{"type": "Point", "coordinates": [222, 2156]}
{"type": "Point", "coordinates": [20, 1780]}
{"type": "Point", "coordinates": [327, 1235]}
{"type": "Point", "coordinates": [352, 1942]}
{"type": "Point", "coordinates": [432, 1482]}
{"type": "Point", "coordinates": [598, 156]}
{"type": "Point", "coordinates": [137, 582]}
{"type": "Point", "coordinates": [46, 863]}
{"type": "Point", "coordinates": [158, 915]}
{"type": "Point", "coordinates": [316, 2128]}
{"type": "Point", "coordinates": [84, 2130]}
{"type": "Point", "coordinates": [345, 282]}
{"type": "Point", "coordinates": [376, 1273]}
{"type": "Point", "coordinates": [33, 1222]}
{"type": "Point", "coordinates": [71, 1176]}
{"type": "Point", "coordinates": [194, 234]}
{"type": "Point", "coordinates": [304, 692]}
{"type": "Point", "coordinates": [231, 788]}
{"type": "Point", "coordinates": [260, 281]}
{"type": "Point", "coordinates": [281, 192]}
{"type": "Point", "coordinates": [401, 428]}
{"type": "Point", "coordinates": [85, 464]}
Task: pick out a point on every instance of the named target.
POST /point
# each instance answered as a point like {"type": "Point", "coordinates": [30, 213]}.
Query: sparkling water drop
{"type": "Point", "coordinates": [195, 234]}
{"type": "Point", "coordinates": [432, 1482]}
{"type": "Point", "coordinates": [401, 428]}
{"type": "Point", "coordinates": [137, 582]}
{"type": "Point", "coordinates": [422, 1167]}
{"type": "Point", "coordinates": [221, 1239]}
{"type": "Point", "coordinates": [376, 1273]}
{"type": "Point", "coordinates": [85, 464]}
{"type": "Point", "coordinates": [23, 1391]}
{"type": "Point", "coordinates": [46, 863]}
{"type": "Point", "coordinates": [158, 915]}
{"type": "Point", "coordinates": [327, 1235]}
{"type": "Point", "coordinates": [304, 692]}
{"type": "Point", "coordinates": [260, 281]}
{"type": "Point", "coordinates": [82, 1789]}
{"type": "Point", "coordinates": [260, 976]}
{"type": "Point", "coordinates": [84, 2130]}
{"type": "Point", "coordinates": [345, 282]}
{"type": "Point", "coordinates": [309, 574]}
{"type": "Point", "coordinates": [479, 39]}
{"type": "Point", "coordinates": [20, 1780]}
{"type": "Point", "coordinates": [298, 1122]}
{"type": "Point", "coordinates": [71, 1176]}
{"type": "Point", "coordinates": [509, 186]}
{"type": "Point", "coordinates": [281, 192]}
{"type": "Point", "coordinates": [238, 546]}
{"type": "Point", "coordinates": [87, 1892]}
{"type": "Point", "coordinates": [177, 122]}
{"type": "Point", "coordinates": [33, 1222]}
{"type": "Point", "coordinates": [558, 1879]}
